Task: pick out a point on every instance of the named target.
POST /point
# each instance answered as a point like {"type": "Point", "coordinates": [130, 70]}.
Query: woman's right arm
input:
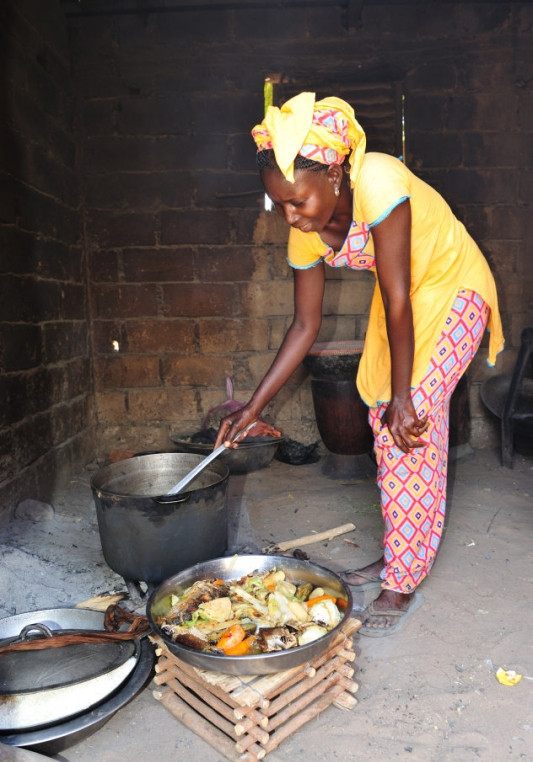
{"type": "Point", "coordinates": [308, 295]}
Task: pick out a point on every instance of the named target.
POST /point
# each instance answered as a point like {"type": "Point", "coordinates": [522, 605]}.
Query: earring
{"type": "Point", "coordinates": [336, 191]}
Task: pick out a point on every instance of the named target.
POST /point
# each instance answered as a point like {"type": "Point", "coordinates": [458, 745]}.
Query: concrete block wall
{"type": "Point", "coordinates": [188, 279]}
{"type": "Point", "coordinates": [46, 409]}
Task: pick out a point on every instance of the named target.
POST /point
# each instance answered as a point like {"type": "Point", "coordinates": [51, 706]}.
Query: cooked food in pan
{"type": "Point", "coordinates": [258, 613]}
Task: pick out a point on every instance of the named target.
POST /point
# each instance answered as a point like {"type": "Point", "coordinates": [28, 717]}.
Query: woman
{"type": "Point", "coordinates": [433, 298]}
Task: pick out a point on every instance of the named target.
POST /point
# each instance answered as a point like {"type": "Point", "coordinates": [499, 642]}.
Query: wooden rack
{"type": "Point", "coordinates": [245, 717]}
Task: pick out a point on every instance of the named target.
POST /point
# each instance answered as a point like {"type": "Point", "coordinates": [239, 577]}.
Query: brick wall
{"type": "Point", "coordinates": [45, 409]}
{"type": "Point", "coordinates": [164, 247]}
{"type": "Point", "coordinates": [187, 272]}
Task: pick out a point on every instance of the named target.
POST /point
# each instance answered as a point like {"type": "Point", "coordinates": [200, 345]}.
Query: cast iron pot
{"type": "Point", "coordinates": [146, 536]}
{"type": "Point", "coordinates": [234, 567]}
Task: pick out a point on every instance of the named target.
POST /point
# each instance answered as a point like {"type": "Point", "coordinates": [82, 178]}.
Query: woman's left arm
{"type": "Point", "coordinates": [392, 247]}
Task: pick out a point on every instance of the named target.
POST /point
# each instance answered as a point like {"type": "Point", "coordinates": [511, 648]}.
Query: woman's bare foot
{"type": "Point", "coordinates": [370, 573]}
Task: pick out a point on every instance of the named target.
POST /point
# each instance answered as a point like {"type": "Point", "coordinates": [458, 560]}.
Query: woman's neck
{"type": "Point", "coordinates": [335, 232]}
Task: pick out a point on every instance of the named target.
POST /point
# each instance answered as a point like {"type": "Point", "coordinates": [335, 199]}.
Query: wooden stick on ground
{"type": "Point", "coordinates": [309, 539]}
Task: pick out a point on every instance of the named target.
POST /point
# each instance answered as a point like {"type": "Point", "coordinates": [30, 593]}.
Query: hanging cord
{"type": "Point", "coordinates": [114, 617]}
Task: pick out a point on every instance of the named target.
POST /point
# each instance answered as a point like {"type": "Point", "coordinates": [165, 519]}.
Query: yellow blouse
{"type": "Point", "coordinates": [444, 259]}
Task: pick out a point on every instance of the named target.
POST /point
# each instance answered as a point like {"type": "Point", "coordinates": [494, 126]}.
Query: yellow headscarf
{"type": "Point", "coordinates": [325, 131]}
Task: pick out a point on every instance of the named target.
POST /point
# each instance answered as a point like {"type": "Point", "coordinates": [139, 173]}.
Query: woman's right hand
{"type": "Point", "coordinates": [233, 424]}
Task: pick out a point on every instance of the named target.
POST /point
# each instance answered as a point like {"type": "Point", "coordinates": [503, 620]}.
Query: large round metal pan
{"type": "Point", "coordinates": [42, 687]}
{"type": "Point", "coordinates": [234, 567]}
{"type": "Point", "coordinates": [53, 739]}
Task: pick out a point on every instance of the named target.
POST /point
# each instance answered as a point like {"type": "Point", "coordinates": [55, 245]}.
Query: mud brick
{"type": "Point", "coordinates": [271, 228]}
{"type": "Point", "coordinates": [160, 336]}
{"type": "Point", "coordinates": [45, 173]}
{"type": "Point", "coordinates": [76, 373]}
{"type": "Point", "coordinates": [34, 438]}
{"type": "Point", "coordinates": [104, 265]}
{"type": "Point", "coordinates": [8, 200]}
{"type": "Point", "coordinates": [428, 111]}
{"type": "Point", "coordinates": [68, 420]}
{"type": "Point", "coordinates": [351, 295]}
{"type": "Point", "coordinates": [139, 190]}
{"type": "Point", "coordinates": [111, 407]}
{"type": "Point", "coordinates": [196, 370]}
{"type": "Point", "coordinates": [222, 263]}
{"type": "Point", "coordinates": [20, 346]}
{"type": "Point", "coordinates": [230, 190]}
{"type": "Point", "coordinates": [431, 146]}
{"type": "Point", "coordinates": [150, 154]}
{"type": "Point", "coordinates": [108, 229]}
{"type": "Point", "coordinates": [115, 154]}
{"type": "Point", "coordinates": [16, 247]}
{"type": "Point", "coordinates": [116, 301]}
{"type": "Point", "coordinates": [97, 115]}
{"type": "Point", "coordinates": [158, 265]}
{"type": "Point", "coordinates": [45, 215]}
{"type": "Point", "coordinates": [73, 305]}
{"type": "Point", "coordinates": [507, 217]}
{"type": "Point", "coordinates": [243, 153]}
{"type": "Point", "coordinates": [59, 261]}
{"type": "Point", "coordinates": [244, 222]}
{"type": "Point", "coordinates": [217, 336]}
{"type": "Point", "coordinates": [17, 299]}
{"type": "Point", "coordinates": [14, 399]}
{"type": "Point", "coordinates": [64, 340]}
{"type": "Point", "coordinates": [126, 371]}
{"type": "Point", "coordinates": [191, 25]}
{"type": "Point", "coordinates": [267, 299]}
{"type": "Point", "coordinates": [198, 299]}
{"type": "Point", "coordinates": [255, 25]}
{"type": "Point", "coordinates": [194, 227]}
{"type": "Point", "coordinates": [62, 144]}
{"type": "Point", "coordinates": [162, 405]}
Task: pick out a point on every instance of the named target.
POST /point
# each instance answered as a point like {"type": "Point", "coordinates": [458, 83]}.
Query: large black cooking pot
{"type": "Point", "coordinates": [148, 537]}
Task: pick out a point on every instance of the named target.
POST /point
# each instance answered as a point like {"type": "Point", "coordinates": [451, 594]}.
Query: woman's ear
{"type": "Point", "coordinates": [335, 175]}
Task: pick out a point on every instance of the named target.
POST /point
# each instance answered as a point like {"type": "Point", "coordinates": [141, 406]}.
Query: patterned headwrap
{"type": "Point", "coordinates": [325, 131]}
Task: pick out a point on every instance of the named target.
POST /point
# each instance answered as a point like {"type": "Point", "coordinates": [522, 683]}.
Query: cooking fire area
{"type": "Point", "coordinates": [429, 692]}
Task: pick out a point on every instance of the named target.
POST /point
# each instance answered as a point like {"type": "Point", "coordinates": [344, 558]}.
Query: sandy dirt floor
{"type": "Point", "coordinates": [426, 694]}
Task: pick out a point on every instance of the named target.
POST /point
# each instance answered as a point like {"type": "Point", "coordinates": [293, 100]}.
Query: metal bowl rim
{"type": "Point", "coordinates": [246, 445]}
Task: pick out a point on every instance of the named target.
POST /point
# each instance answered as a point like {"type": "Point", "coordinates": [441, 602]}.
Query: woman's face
{"type": "Point", "coordinates": [307, 204]}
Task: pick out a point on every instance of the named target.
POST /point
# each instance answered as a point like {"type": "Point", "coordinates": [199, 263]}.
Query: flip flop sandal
{"type": "Point", "coordinates": [372, 580]}
{"type": "Point", "coordinates": [401, 616]}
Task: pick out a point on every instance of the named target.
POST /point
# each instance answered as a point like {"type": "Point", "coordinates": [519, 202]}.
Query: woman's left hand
{"type": "Point", "coordinates": [404, 425]}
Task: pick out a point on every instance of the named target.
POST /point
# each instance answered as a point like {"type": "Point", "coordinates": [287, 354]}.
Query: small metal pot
{"type": "Point", "coordinates": [147, 536]}
{"type": "Point", "coordinates": [233, 568]}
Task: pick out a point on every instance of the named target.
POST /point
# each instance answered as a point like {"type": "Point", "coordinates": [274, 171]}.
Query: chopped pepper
{"type": "Point", "coordinates": [231, 637]}
{"type": "Point", "coordinates": [242, 648]}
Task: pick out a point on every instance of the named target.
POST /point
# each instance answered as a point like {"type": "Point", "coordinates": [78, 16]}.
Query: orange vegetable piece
{"type": "Point", "coordinates": [312, 601]}
{"type": "Point", "coordinates": [342, 604]}
{"type": "Point", "coordinates": [231, 637]}
{"type": "Point", "coordinates": [242, 648]}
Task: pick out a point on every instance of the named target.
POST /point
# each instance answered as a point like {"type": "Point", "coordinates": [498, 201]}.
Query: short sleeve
{"type": "Point", "coordinates": [305, 249]}
{"type": "Point", "coordinates": [383, 183]}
